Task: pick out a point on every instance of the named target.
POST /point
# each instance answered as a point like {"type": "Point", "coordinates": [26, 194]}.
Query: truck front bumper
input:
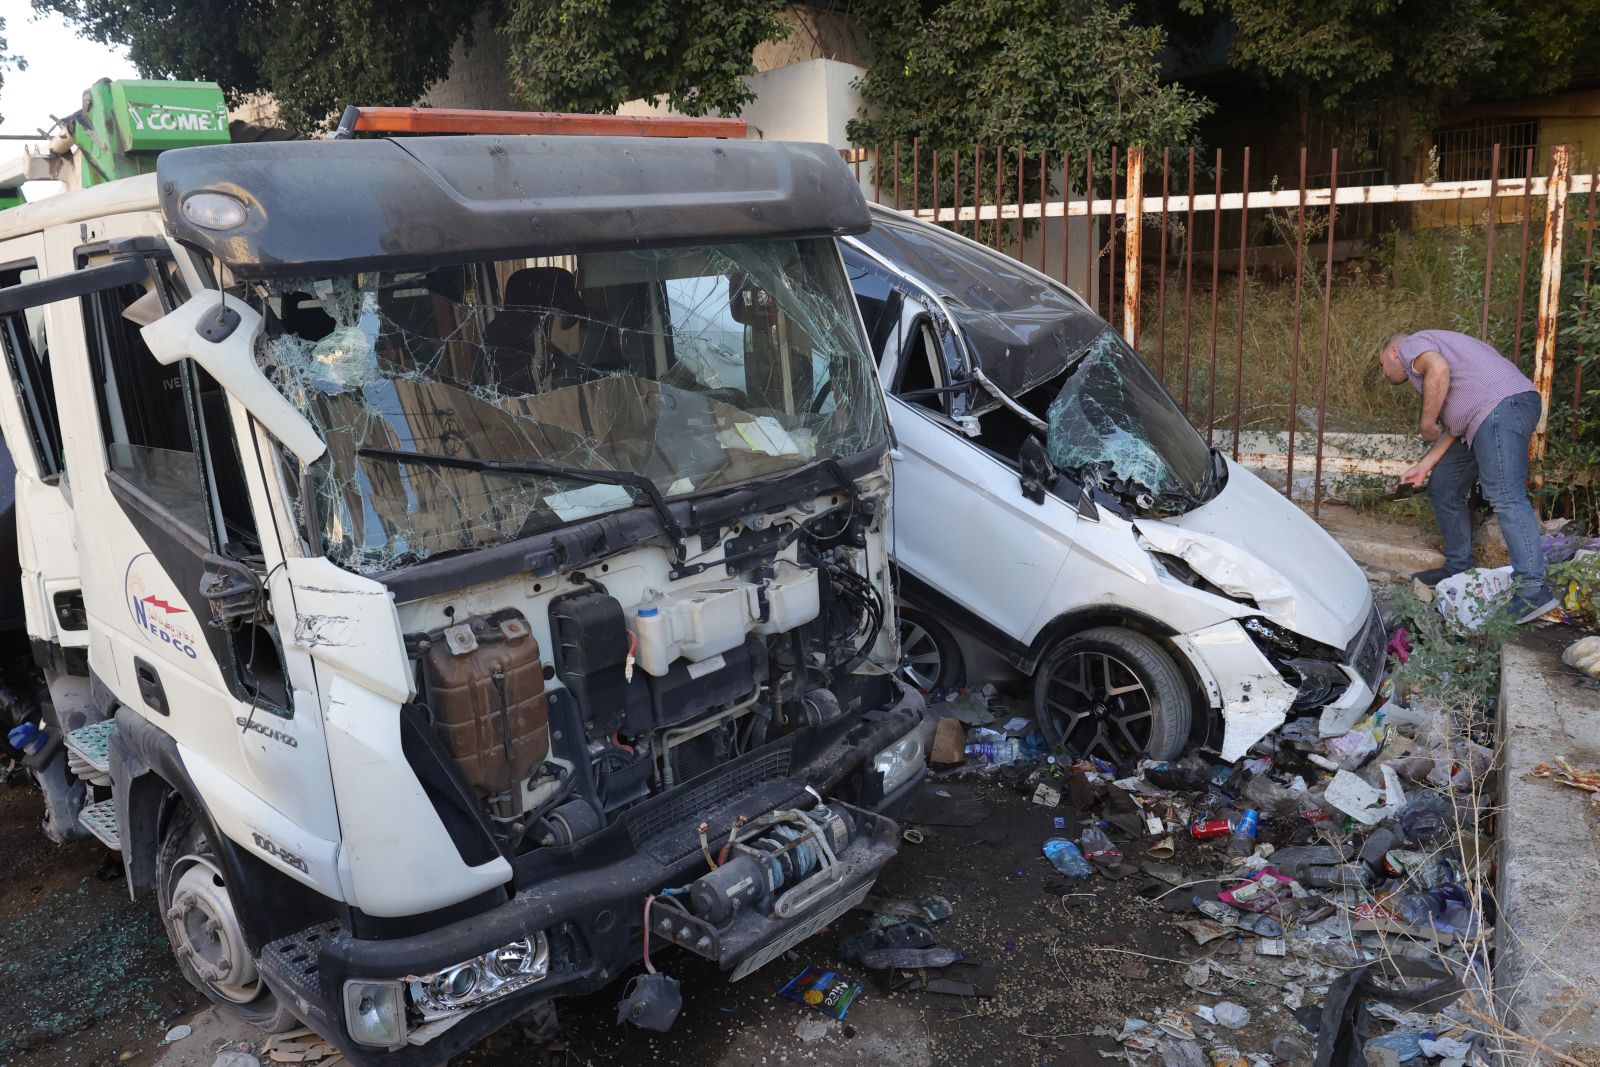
{"type": "Point", "coordinates": [588, 899]}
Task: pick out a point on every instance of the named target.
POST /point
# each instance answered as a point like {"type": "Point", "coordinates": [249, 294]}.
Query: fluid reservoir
{"type": "Point", "coordinates": [697, 624]}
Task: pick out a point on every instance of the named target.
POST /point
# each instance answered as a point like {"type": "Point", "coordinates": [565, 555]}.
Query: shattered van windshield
{"type": "Point", "coordinates": [1114, 420]}
{"type": "Point", "coordinates": [697, 368]}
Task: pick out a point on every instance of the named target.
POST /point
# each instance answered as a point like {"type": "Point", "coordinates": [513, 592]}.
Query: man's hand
{"type": "Point", "coordinates": [1431, 431]}
{"type": "Point", "coordinates": [1417, 476]}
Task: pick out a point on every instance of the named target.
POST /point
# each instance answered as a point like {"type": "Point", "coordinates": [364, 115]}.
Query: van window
{"type": "Point", "coordinates": [28, 353]}
{"type": "Point", "coordinates": [143, 412]}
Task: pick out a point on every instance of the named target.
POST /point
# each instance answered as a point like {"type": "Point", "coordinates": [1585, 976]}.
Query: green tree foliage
{"type": "Point", "coordinates": [591, 55]}
{"type": "Point", "coordinates": [315, 57]}
{"type": "Point", "coordinates": [7, 60]}
{"type": "Point", "coordinates": [1332, 53]}
{"type": "Point", "coordinates": [1071, 74]}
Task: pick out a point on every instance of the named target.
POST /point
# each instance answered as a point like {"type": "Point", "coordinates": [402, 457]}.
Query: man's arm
{"type": "Point", "coordinates": [1419, 474]}
{"type": "Point", "coordinates": [1435, 374]}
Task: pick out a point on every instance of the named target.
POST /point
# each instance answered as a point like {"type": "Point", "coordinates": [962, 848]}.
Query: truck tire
{"type": "Point", "coordinates": [197, 912]}
{"type": "Point", "coordinates": [1112, 693]}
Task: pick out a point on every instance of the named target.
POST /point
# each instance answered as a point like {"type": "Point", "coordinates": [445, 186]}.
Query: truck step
{"type": "Point", "coordinates": [86, 751]}
{"type": "Point", "coordinates": [101, 821]}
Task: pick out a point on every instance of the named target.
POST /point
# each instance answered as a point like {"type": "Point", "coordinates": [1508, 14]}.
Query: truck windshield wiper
{"type": "Point", "coordinates": [625, 479]}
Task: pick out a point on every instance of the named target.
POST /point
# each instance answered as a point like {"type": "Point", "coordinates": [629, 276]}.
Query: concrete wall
{"type": "Point", "coordinates": [808, 101]}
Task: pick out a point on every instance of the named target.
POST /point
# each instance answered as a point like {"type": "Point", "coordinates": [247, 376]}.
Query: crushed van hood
{"type": "Point", "coordinates": [1251, 542]}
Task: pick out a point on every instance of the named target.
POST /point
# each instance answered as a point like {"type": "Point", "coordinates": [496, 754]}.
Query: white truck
{"type": "Point", "coordinates": [452, 565]}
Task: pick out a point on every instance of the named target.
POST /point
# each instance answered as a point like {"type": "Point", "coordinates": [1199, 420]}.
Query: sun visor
{"type": "Point", "coordinates": [307, 208]}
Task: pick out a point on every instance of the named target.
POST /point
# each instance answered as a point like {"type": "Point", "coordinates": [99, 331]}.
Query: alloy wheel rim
{"type": "Point", "coordinates": [1099, 706]}
{"type": "Point", "coordinates": [920, 661]}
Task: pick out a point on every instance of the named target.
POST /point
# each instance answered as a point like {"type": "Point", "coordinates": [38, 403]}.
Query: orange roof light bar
{"type": "Point", "coordinates": [549, 123]}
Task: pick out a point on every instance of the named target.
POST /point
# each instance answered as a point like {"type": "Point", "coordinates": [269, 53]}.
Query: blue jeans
{"type": "Point", "coordinates": [1498, 459]}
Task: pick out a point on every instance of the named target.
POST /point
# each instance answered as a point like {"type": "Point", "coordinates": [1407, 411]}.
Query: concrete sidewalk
{"type": "Point", "coordinates": [1547, 973]}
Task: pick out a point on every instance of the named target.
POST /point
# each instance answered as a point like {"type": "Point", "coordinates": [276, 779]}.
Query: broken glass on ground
{"type": "Point", "coordinates": [1113, 422]}
{"type": "Point", "coordinates": [696, 368]}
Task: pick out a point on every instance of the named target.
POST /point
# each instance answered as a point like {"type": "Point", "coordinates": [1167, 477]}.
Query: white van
{"type": "Point", "coordinates": [1054, 505]}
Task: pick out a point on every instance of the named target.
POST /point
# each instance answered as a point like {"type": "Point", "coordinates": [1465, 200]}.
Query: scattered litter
{"type": "Point", "coordinates": [1233, 1016]}
{"type": "Point", "coordinates": [1204, 931]}
{"type": "Point", "coordinates": [1271, 946]}
{"type": "Point", "coordinates": [1065, 857]}
{"type": "Point", "coordinates": [1566, 774]}
{"type": "Point", "coordinates": [888, 911]}
{"type": "Point", "coordinates": [305, 1046]}
{"type": "Point", "coordinates": [822, 990]}
{"type": "Point", "coordinates": [1584, 654]}
{"type": "Point", "coordinates": [1018, 723]}
{"type": "Point", "coordinates": [908, 945]}
{"type": "Point", "coordinates": [1046, 796]}
{"type": "Point", "coordinates": [1355, 797]}
{"type": "Point", "coordinates": [177, 1033]}
{"type": "Point", "coordinates": [230, 1058]}
{"type": "Point", "coordinates": [912, 836]}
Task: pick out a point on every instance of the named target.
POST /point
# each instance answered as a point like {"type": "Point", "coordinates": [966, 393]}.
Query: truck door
{"type": "Point", "coordinates": [47, 554]}
{"type": "Point", "coordinates": [160, 481]}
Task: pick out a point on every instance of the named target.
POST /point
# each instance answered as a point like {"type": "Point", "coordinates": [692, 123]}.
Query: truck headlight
{"type": "Point", "coordinates": [900, 761]}
{"type": "Point", "coordinates": [472, 983]}
{"type": "Point", "coordinates": [375, 1013]}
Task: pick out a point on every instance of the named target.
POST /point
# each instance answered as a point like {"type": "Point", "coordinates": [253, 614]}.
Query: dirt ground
{"type": "Point", "coordinates": [88, 980]}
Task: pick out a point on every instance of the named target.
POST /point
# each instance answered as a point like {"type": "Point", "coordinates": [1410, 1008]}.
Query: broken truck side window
{"type": "Point", "coordinates": [878, 299]}
{"type": "Point", "coordinates": [143, 410]}
{"type": "Point", "coordinates": [28, 352]}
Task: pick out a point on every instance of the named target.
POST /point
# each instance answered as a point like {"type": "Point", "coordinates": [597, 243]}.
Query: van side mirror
{"type": "Point", "coordinates": [1038, 473]}
{"type": "Point", "coordinates": [219, 333]}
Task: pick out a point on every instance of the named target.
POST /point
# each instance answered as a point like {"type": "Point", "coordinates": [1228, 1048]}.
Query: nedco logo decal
{"type": "Point", "coordinates": [266, 731]}
{"type": "Point", "coordinates": [157, 610]}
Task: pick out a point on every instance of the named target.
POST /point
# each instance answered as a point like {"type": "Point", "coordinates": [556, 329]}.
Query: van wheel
{"type": "Point", "coordinates": [206, 936]}
{"type": "Point", "coordinates": [930, 655]}
{"type": "Point", "coordinates": [1112, 693]}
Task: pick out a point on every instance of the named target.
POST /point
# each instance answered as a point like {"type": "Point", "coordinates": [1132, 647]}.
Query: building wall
{"type": "Point", "coordinates": [812, 100]}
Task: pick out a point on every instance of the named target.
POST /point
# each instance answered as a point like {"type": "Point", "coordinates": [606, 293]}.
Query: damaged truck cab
{"type": "Point", "coordinates": [458, 564]}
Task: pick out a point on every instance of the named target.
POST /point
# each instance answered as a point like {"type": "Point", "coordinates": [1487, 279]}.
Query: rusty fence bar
{"type": "Point", "coordinates": [1124, 208]}
{"type": "Point", "coordinates": [1188, 282]}
{"type": "Point", "coordinates": [1294, 358]}
{"type": "Point", "coordinates": [1216, 279]}
{"type": "Point", "coordinates": [1161, 291]}
{"type": "Point", "coordinates": [1327, 329]}
{"type": "Point", "coordinates": [1133, 216]}
{"type": "Point", "coordinates": [1238, 326]}
{"type": "Point", "coordinates": [1490, 223]}
{"type": "Point", "coordinates": [1544, 333]}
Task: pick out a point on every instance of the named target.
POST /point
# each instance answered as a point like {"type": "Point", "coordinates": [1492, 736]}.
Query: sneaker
{"type": "Point", "coordinates": [1526, 607]}
{"type": "Point", "coordinates": [1434, 575]}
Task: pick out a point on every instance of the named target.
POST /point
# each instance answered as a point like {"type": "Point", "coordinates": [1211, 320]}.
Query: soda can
{"type": "Point", "coordinates": [1210, 828]}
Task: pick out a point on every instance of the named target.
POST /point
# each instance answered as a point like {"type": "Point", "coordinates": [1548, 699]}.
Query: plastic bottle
{"type": "Point", "coordinates": [1428, 907]}
{"type": "Point", "coordinates": [27, 738]}
{"type": "Point", "coordinates": [1065, 857]}
{"type": "Point", "coordinates": [1376, 848]}
{"type": "Point", "coordinates": [1336, 876]}
{"type": "Point", "coordinates": [1427, 818]}
{"type": "Point", "coordinates": [1243, 841]}
{"type": "Point", "coordinates": [996, 753]}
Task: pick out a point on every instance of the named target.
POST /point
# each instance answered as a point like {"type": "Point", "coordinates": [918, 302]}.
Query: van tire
{"type": "Point", "coordinates": [1113, 693]}
{"type": "Point", "coordinates": [186, 853]}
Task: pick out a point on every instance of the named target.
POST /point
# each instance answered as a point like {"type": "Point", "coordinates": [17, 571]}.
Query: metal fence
{"type": "Point", "coordinates": [1132, 245]}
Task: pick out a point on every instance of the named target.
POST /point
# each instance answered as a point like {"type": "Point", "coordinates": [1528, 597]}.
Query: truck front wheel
{"type": "Point", "coordinates": [206, 936]}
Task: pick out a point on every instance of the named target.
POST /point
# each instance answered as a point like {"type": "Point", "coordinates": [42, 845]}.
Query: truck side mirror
{"type": "Point", "coordinates": [219, 333]}
{"type": "Point", "coordinates": [113, 275]}
{"type": "Point", "coordinates": [233, 590]}
{"type": "Point", "coordinates": [1038, 473]}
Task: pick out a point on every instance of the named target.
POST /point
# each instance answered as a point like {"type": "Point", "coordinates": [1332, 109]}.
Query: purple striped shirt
{"type": "Point", "coordinates": [1480, 377]}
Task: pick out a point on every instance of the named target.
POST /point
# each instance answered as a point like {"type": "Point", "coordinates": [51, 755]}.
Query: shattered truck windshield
{"type": "Point", "coordinates": [1113, 421]}
{"type": "Point", "coordinates": [697, 368]}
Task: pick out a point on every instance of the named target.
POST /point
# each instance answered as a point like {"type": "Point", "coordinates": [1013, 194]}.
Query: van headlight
{"type": "Point", "coordinates": [900, 761]}
{"type": "Point", "coordinates": [482, 979]}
